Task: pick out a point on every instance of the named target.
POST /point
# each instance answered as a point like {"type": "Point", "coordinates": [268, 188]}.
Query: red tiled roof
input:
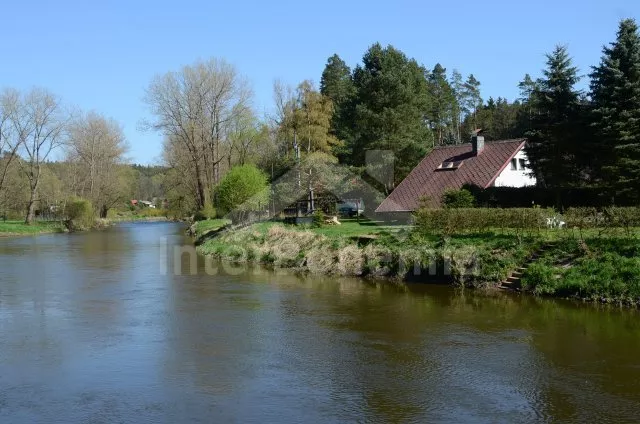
{"type": "Point", "coordinates": [425, 180]}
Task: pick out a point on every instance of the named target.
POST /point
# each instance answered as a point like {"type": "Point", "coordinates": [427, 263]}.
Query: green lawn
{"type": "Point", "coordinates": [349, 227]}
{"type": "Point", "coordinates": [209, 225]}
{"type": "Point", "coordinates": [9, 228]}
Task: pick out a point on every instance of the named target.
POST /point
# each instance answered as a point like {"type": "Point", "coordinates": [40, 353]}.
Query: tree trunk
{"type": "Point", "coordinates": [103, 211]}
{"type": "Point", "coordinates": [201, 199]}
{"type": "Point", "coordinates": [31, 207]}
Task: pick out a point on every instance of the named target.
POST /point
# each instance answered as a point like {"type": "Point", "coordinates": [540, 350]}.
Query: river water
{"type": "Point", "coordinates": [97, 327]}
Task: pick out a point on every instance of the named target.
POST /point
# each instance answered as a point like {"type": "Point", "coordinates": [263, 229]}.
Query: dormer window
{"type": "Point", "coordinates": [449, 165]}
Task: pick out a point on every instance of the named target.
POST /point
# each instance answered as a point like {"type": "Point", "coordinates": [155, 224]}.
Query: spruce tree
{"type": "Point", "coordinates": [336, 84]}
{"type": "Point", "coordinates": [615, 93]}
{"type": "Point", "coordinates": [553, 139]}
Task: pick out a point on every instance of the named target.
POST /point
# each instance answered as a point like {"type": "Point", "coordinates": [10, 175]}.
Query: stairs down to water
{"type": "Point", "coordinates": [514, 281]}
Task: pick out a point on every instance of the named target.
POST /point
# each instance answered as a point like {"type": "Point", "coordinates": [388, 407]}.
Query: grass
{"type": "Point", "coordinates": [202, 227]}
{"type": "Point", "coordinates": [10, 228]}
{"type": "Point", "coordinates": [349, 227]}
{"type": "Point", "coordinates": [591, 265]}
{"type": "Point", "coordinates": [390, 251]}
{"type": "Point", "coordinates": [605, 269]}
{"type": "Point", "coordinates": [137, 215]}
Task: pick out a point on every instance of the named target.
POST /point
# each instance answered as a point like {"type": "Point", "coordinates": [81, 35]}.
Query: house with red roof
{"type": "Point", "coordinates": [498, 163]}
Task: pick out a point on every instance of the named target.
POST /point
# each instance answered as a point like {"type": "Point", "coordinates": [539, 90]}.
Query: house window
{"type": "Point", "coordinates": [523, 164]}
{"type": "Point", "coordinates": [514, 164]}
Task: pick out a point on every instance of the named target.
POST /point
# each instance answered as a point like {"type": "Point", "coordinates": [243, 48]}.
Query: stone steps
{"type": "Point", "coordinates": [513, 282]}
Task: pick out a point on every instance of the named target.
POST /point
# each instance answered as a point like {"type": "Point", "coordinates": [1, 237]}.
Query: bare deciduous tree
{"type": "Point", "coordinates": [97, 147]}
{"type": "Point", "coordinates": [38, 123]}
{"type": "Point", "coordinates": [8, 143]}
{"type": "Point", "coordinates": [194, 109]}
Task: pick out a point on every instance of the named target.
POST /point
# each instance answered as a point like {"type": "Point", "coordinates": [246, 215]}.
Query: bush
{"type": "Point", "coordinates": [540, 279]}
{"type": "Point", "coordinates": [79, 214]}
{"type": "Point", "coordinates": [458, 199]}
{"type": "Point", "coordinates": [457, 220]}
{"type": "Point", "coordinates": [318, 219]}
{"type": "Point", "coordinates": [243, 189]}
{"type": "Point", "coordinates": [606, 218]}
{"type": "Point", "coordinates": [208, 212]}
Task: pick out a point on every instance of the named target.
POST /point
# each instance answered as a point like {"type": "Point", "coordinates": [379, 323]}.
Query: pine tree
{"type": "Point", "coordinates": [553, 139]}
{"type": "Point", "coordinates": [473, 100]}
{"type": "Point", "coordinates": [527, 87]}
{"type": "Point", "coordinates": [615, 93]}
{"type": "Point", "coordinates": [389, 108]}
{"type": "Point", "coordinates": [336, 84]}
{"type": "Point", "coordinates": [457, 86]}
{"type": "Point", "coordinates": [442, 100]}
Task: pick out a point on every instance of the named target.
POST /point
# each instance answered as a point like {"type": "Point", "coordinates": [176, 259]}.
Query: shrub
{"type": "Point", "coordinates": [604, 219]}
{"type": "Point", "coordinates": [458, 199]}
{"type": "Point", "coordinates": [540, 279]}
{"type": "Point", "coordinates": [79, 214]}
{"type": "Point", "coordinates": [243, 189]}
{"type": "Point", "coordinates": [208, 212]}
{"type": "Point", "coordinates": [318, 219]}
{"type": "Point", "coordinates": [456, 220]}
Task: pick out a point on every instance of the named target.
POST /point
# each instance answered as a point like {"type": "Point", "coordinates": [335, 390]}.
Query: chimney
{"type": "Point", "coordinates": [477, 142]}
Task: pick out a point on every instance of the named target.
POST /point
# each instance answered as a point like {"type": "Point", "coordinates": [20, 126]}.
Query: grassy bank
{"type": "Point", "coordinates": [147, 214]}
{"type": "Point", "coordinates": [602, 269]}
{"type": "Point", "coordinates": [586, 265]}
{"type": "Point", "coordinates": [14, 228]}
{"type": "Point", "coordinates": [368, 249]}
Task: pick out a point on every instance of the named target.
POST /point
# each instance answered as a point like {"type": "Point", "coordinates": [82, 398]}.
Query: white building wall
{"type": "Point", "coordinates": [516, 177]}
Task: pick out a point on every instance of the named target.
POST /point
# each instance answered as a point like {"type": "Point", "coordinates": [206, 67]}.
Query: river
{"type": "Point", "coordinates": [98, 327]}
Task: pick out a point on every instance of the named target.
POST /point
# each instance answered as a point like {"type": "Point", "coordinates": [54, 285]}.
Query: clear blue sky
{"type": "Point", "coordinates": [102, 55]}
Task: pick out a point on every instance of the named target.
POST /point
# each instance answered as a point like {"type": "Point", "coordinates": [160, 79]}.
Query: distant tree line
{"type": "Point", "coordinates": [388, 103]}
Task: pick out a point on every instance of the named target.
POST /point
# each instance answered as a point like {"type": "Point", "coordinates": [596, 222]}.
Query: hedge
{"type": "Point", "coordinates": [454, 220]}
{"type": "Point", "coordinates": [605, 218]}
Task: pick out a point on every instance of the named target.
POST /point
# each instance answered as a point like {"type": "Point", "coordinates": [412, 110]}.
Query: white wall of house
{"type": "Point", "coordinates": [516, 174]}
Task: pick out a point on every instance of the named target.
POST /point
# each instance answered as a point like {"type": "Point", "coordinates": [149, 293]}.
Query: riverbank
{"type": "Point", "coordinates": [367, 249]}
{"type": "Point", "coordinates": [588, 267]}
{"type": "Point", "coordinates": [19, 228]}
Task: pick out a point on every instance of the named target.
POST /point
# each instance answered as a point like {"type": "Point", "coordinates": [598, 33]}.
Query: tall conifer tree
{"type": "Point", "coordinates": [553, 139]}
{"type": "Point", "coordinates": [615, 93]}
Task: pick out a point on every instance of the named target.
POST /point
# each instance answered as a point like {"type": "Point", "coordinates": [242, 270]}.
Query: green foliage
{"type": "Point", "coordinates": [498, 119]}
{"type": "Point", "coordinates": [478, 220]}
{"type": "Point", "coordinates": [442, 102]}
{"type": "Point", "coordinates": [458, 199]}
{"type": "Point", "coordinates": [79, 213]}
{"type": "Point", "coordinates": [539, 278]}
{"type": "Point", "coordinates": [208, 212]}
{"type": "Point", "coordinates": [610, 218]}
{"type": "Point", "coordinates": [389, 108]}
{"type": "Point", "coordinates": [336, 84]}
{"type": "Point", "coordinates": [615, 90]}
{"type": "Point", "coordinates": [308, 117]}
{"type": "Point", "coordinates": [318, 219]}
{"type": "Point", "coordinates": [242, 190]}
{"type": "Point", "coordinates": [554, 138]}
{"type": "Point", "coordinates": [151, 212]}
{"type": "Point", "coordinates": [37, 227]}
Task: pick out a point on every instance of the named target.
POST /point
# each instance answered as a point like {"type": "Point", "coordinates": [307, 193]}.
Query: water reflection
{"type": "Point", "coordinates": [94, 331]}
